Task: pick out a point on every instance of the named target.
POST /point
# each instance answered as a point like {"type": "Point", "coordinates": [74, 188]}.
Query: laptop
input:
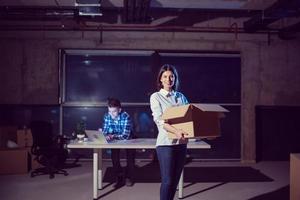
{"type": "Point", "coordinates": [96, 136]}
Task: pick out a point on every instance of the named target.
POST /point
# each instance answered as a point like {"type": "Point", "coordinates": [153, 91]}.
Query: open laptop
{"type": "Point", "coordinates": [96, 136]}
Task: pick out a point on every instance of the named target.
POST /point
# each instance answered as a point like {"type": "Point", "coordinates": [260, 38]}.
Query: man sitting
{"type": "Point", "coordinates": [117, 125]}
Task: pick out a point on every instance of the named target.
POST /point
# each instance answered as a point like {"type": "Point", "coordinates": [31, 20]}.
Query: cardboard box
{"type": "Point", "coordinates": [24, 138]}
{"type": "Point", "coordinates": [7, 133]}
{"type": "Point", "coordinates": [198, 120]}
{"type": "Point", "coordinates": [13, 161]}
{"type": "Point", "coordinates": [294, 176]}
{"type": "Point", "coordinates": [33, 163]}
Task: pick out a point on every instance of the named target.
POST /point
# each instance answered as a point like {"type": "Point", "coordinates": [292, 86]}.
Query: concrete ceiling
{"type": "Point", "coordinates": [153, 15]}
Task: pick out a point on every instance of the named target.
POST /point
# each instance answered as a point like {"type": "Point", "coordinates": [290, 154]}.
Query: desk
{"type": "Point", "coordinates": [140, 143]}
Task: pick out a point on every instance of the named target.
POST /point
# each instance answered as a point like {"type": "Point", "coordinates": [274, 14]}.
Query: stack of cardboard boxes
{"type": "Point", "coordinates": [24, 140]}
{"type": "Point", "coordinates": [16, 160]}
{"type": "Point", "coordinates": [13, 160]}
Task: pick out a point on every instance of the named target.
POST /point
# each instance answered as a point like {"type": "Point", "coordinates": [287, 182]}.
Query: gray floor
{"type": "Point", "coordinates": [203, 180]}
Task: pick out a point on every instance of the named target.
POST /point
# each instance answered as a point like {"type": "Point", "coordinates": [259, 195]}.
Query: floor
{"type": "Point", "coordinates": [203, 180]}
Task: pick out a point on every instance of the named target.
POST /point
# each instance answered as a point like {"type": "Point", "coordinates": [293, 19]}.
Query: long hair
{"type": "Point", "coordinates": [167, 67]}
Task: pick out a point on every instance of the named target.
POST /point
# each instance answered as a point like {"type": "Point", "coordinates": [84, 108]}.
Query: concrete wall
{"type": "Point", "coordinates": [270, 73]}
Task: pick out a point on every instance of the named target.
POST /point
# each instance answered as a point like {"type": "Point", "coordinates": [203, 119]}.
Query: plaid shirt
{"type": "Point", "coordinates": [119, 127]}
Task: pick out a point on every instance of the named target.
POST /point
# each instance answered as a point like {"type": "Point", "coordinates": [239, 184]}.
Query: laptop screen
{"type": "Point", "coordinates": [96, 136]}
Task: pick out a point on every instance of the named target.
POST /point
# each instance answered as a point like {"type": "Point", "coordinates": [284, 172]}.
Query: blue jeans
{"type": "Point", "coordinates": [171, 161]}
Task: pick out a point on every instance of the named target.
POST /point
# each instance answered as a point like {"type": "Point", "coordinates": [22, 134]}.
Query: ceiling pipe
{"type": "Point", "coordinates": [235, 26]}
{"type": "Point", "coordinates": [138, 28]}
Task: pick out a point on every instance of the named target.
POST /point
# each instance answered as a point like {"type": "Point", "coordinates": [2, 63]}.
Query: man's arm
{"type": "Point", "coordinates": [105, 125]}
{"type": "Point", "coordinates": [126, 125]}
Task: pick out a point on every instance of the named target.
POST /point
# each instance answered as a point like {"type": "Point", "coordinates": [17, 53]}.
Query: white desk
{"type": "Point", "coordinates": [141, 143]}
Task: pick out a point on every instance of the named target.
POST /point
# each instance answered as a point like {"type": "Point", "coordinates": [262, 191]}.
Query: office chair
{"type": "Point", "coordinates": [49, 151]}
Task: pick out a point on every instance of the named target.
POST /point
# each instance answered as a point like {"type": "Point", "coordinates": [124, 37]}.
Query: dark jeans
{"type": "Point", "coordinates": [171, 161]}
{"type": "Point", "coordinates": [115, 156]}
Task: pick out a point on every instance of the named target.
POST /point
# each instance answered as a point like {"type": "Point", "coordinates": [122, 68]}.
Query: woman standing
{"type": "Point", "coordinates": [170, 152]}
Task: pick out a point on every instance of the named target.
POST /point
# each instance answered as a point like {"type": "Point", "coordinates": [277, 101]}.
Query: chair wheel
{"type": "Point", "coordinates": [51, 176]}
{"type": "Point", "coordinates": [66, 174]}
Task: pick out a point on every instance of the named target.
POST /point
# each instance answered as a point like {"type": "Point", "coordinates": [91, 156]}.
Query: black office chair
{"type": "Point", "coordinates": [49, 151]}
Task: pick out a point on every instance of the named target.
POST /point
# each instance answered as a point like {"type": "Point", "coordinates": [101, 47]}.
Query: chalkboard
{"type": "Point", "coordinates": [95, 78]}
{"type": "Point", "coordinates": [208, 79]}
{"type": "Point", "coordinates": [130, 76]}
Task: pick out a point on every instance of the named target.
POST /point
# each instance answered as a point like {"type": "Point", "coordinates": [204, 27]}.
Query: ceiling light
{"type": "Point", "coordinates": [89, 7]}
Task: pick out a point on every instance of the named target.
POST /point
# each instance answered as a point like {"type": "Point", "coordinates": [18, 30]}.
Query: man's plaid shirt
{"type": "Point", "coordinates": [120, 127]}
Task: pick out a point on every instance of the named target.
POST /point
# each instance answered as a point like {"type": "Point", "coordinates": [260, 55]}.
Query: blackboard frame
{"type": "Point", "coordinates": [230, 141]}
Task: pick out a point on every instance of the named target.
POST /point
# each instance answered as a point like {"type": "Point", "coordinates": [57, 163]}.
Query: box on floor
{"type": "Point", "coordinates": [13, 161]}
